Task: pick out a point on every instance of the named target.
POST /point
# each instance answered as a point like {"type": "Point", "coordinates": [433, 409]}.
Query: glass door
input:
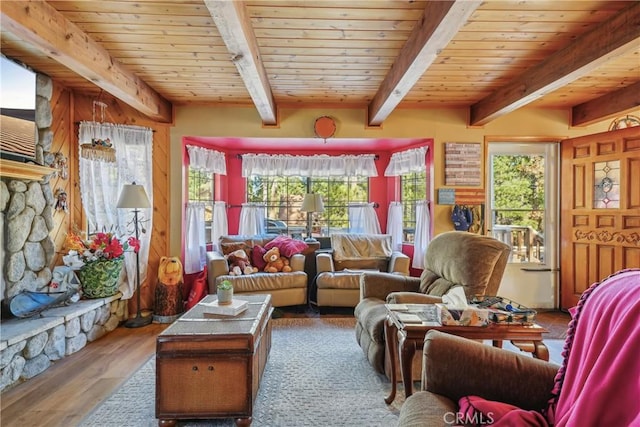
{"type": "Point", "coordinates": [523, 212]}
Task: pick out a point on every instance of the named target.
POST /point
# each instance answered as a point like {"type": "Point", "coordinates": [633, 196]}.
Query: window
{"type": "Point", "coordinates": [413, 187]}
{"type": "Point", "coordinates": [518, 204]}
{"type": "Point", "coordinates": [283, 197]}
{"type": "Point", "coordinates": [201, 190]}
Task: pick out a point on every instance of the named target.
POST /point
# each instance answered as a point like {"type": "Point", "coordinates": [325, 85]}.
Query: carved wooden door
{"type": "Point", "coordinates": [600, 209]}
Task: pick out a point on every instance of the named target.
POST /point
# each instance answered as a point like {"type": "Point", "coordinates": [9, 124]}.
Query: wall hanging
{"type": "Point", "coordinates": [99, 149]}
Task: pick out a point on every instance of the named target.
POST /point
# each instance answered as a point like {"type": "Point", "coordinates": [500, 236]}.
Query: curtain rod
{"type": "Point", "coordinates": [118, 124]}
{"type": "Point", "coordinates": [239, 156]}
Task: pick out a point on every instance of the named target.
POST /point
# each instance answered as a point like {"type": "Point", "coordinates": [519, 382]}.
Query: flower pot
{"type": "Point", "coordinates": [100, 279]}
{"type": "Point", "coordinates": [225, 295]}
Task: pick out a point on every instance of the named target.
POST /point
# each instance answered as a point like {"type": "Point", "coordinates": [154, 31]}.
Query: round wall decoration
{"type": "Point", "coordinates": [324, 127]}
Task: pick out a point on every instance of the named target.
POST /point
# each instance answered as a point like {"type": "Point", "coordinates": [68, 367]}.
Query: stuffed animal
{"type": "Point", "coordinates": [239, 263]}
{"type": "Point", "coordinates": [275, 262]}
{"type": "Point", "coordinates": [169, 299]}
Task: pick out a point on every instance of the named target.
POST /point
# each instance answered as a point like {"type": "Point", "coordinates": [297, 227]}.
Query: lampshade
{"type": "Point", "coordinates": [133, 196]}
{"type": "Point", "coordinates": [312, 203]}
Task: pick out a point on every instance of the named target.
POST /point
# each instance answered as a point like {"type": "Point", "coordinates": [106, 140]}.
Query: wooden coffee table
{"type": "Point", "coordinates": [403, 340]}
{"type": "Point", "coordinates": [210, 367]}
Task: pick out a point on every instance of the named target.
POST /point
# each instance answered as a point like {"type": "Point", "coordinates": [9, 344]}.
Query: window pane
{"type": "Point", "coordinates": [283, 197]}
{"type": "Point", "coordinates": [518, 204]}
{"type": "Point", "coordinates": [413, 187]}
{"type": "Point", "coordinates": [201, 190]}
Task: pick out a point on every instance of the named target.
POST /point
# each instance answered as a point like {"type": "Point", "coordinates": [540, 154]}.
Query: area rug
{"type": "Point", "coordinates": [316, 375]}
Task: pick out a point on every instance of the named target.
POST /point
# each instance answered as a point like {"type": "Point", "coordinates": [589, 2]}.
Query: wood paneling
{"type": "Point", "coordinates": [327, 52]}
{"type": "Point", "coordinates": [119, 113]}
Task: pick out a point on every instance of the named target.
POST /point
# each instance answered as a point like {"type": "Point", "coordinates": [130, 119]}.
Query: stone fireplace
{"type": "Point", "coordinates": [28, 346]}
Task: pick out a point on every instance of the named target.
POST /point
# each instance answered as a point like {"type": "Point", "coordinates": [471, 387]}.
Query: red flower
{"type": "Point", "coordinates": [113, 249]}
{"type": "Point", "coordinates": [134, 243]}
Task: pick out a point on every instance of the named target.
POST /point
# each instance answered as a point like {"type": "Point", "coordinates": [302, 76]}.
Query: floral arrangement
{"type": "Point", "coordinates": [101, 246]}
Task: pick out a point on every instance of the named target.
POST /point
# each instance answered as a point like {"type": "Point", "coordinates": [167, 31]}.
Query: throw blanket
{"type": "Point", "coordinates": [599, 381]}
{"type": "Point", "coordinates": [360, 246]}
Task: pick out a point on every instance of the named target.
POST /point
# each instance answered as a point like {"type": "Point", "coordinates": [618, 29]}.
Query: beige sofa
{"type": "Point", "coordinates": [285, 288]}
{"type": "Point", "coordinates": [339, 271]}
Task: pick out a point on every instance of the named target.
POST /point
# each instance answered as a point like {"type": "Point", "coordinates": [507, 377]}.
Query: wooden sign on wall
{"type": "Point", "coordinates": [462, 164]}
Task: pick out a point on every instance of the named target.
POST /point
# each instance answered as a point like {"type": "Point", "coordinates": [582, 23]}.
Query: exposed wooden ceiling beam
{"type": "Point", "coordinates": [237, 33]}
{"type": "Point", "coordinates": [609, 39]}
{"type": "Point", "coordinates": [608, 105]}
{"type": "Point", "coordinates": [50, 32]}
{"type": "Point", "coordinates": [439, 24]}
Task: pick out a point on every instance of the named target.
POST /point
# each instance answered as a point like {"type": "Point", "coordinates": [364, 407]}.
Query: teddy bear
{"type": "Point", "coordinates": [275, 262]}
{"type": "Point", "coordinates": [239, 263]}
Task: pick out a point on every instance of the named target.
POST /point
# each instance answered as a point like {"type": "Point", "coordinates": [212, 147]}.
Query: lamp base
{"type": "Point", "coordinates": [138, 321]}
{"type": "Point", "coordinates": [310, 240]}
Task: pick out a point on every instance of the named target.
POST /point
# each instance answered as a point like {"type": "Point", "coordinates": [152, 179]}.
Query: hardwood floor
{"type": "Point", "coordinates": [69, 390]}
{"type": "Point", "coordinates": [66, 392]}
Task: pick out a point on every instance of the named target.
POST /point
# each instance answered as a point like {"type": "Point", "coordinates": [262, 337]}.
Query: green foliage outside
{"type": "Point", "coordinates": [519, 193]}
{"type": "Point", "coordinates": [283, 198]}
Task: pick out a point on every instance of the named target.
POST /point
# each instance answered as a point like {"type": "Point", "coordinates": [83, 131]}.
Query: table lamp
{"type": "Point", "coordinates": [311, 204]}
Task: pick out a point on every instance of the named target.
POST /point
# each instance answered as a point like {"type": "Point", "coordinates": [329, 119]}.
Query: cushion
{"type": "Point", "coordinates": [288, 247]}
{"type": "Point", "coordinates": [198, 288]}
{"type": "Point", "coordinates": [257, 260]}
{"type": "Point", "coordinates": [229, 247]}
{"type": "Point", "coordinates": [483, 411]}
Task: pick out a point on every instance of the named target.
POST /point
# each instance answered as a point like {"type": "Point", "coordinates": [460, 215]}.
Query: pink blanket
{"type": "Point", "coordinates": [599, 381]}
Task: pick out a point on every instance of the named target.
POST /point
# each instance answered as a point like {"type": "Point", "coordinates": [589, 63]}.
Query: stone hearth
{"type": "Point", "coordinates": [29, 346]}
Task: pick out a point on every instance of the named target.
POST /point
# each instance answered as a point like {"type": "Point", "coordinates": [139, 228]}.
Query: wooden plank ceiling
{"type": "Point", "coordinates": [491, 57]}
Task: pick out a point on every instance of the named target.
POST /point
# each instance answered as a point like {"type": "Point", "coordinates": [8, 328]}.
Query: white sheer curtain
{"type": "Point", "coordinates": [408, 161]}
{"type": "Point", "coordinates": [321, 165]}
{"type": "Point", "coordinates": [207, 160]}
{"type": "Point", "coordinates": [394, 225]}
{"type": "Point", "coordinates": [195, 245]}
{"type": "Point", "coordinates": [422, 234]}
{"type": "Point", "coordinates": [363, 219]}
{"type": "Point", "coordinates": [252, 218]}
{"type": "Point", "coordinates": [220, 225]}
{"type": "Point", "coordinates": [101, 183]}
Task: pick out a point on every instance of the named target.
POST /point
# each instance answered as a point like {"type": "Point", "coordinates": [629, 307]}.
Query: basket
{"type": "Point", "coordinates": [100, 279]}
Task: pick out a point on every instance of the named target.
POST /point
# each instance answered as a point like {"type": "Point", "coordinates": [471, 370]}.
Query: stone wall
{"type": "Point", "coordinates": [29, 346]}
{"type": "Point", "coordinates": [26, 208]}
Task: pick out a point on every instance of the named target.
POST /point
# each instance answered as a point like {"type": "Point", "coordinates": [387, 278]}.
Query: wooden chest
{"type": "Point", "coordinates": [210, 367]}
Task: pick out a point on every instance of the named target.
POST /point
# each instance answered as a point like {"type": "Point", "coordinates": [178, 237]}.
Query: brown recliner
{"type": "Point", "coordinates": [454, 258]}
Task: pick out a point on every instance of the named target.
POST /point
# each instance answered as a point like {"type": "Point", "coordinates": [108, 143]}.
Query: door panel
{"type": "Point", "coordinates": [598, 236]}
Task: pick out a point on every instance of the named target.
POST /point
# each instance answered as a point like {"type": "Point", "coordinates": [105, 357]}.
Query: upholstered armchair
{"type": "Point", "coordinates": [339, 270]}
{"type": "Point", "coordinates": [596, 385]}
{"type": "Point", "coordinates": [453, 258]}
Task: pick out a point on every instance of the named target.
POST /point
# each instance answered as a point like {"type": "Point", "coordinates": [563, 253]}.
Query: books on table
{"type": "Point", "coordinates": [236, 307]}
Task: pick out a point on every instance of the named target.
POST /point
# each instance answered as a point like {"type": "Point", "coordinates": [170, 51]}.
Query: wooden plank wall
{"type": "Point", "coordinates": [68, 110]}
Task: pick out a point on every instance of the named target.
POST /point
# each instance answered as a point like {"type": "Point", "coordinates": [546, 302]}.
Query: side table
{"type": "Point", "coordinates": [402, 341]}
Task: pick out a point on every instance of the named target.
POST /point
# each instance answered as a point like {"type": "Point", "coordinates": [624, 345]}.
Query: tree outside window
{"type": "Point", "coordinates": [201, 190]}
{"type": "Point", "coordinates": [519, 203]}
{"type": "Point", "coordinates": [413, 187]}
{"type": "Point", "coordinates": [282, 197]}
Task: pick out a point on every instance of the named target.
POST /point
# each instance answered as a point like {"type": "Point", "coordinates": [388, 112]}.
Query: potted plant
{"type": "Point", "coordinates": [225, 292]}
{"type": "Point", "coordinates": [98, 261]}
